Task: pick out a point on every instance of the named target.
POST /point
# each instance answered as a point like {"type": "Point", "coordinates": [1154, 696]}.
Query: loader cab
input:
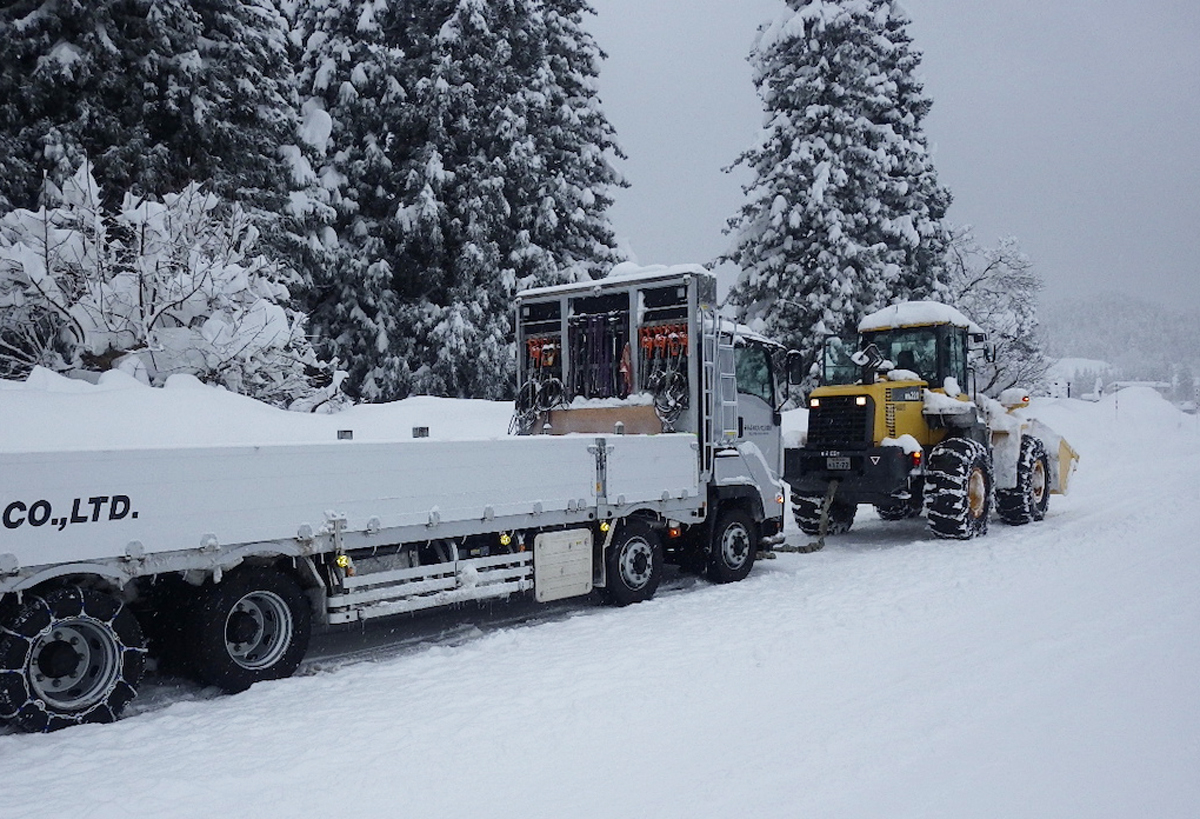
{"type": "Point", "coordinates": [930, 353]}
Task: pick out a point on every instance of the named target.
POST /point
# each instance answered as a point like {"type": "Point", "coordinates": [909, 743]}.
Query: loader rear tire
{"type": "Point", "coordinates": [806, 509]}
{"type": "Point", "coordinates": [1027, 501]}
{"type": "Point", "coordinates": [252, 626]}
{"type": "Point", "coordinates": [68, 657]}
{"type": "Point", "coordinates": [959, 489]}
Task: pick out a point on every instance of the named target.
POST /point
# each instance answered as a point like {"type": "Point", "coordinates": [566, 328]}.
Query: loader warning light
{"type": "Point", "coordinates": [343, 561]}
{"type": "Point", "coordinates": [916, 458]}
{"type": "Point", "coordinates": [604, 526]}
{"type": "Point", "coordinates": [505, 538]}
{"type": "Point", "coordinates": [674, 531]}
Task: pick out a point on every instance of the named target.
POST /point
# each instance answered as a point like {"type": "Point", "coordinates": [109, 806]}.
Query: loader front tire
{"type": "Point", "coordinates": [1027, 501]}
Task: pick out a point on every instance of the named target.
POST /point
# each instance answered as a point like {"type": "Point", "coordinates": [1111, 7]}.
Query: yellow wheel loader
{"type": "Point", "coordinates": [892, 425]}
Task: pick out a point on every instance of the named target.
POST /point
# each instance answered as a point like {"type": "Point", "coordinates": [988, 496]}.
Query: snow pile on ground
{"type": "Point", "coordinates": [1049, 670]}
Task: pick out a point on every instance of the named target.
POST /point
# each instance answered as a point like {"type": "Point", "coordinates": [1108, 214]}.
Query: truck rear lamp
{"type": "Point", "coordinates": [860, 400]}
{"type": "Point", "coordinates": [917, 458]}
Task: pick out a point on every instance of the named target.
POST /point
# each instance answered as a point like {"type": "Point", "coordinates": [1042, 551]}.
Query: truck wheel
{"type": "Point", "coordinates": [69, 657]}
{"type": "Point", "coordinates": [1028, 500]}
{"type": "Point", "coordinates": [806, 509]}
{"type": "Point", "coordinates": [734, 545]}
{"type": "Point", "coordinates": [252, 626]}
{"type": "Point", "coordinates": [634, 563]}
{"type": "Point", "coordinates": [959, 489]}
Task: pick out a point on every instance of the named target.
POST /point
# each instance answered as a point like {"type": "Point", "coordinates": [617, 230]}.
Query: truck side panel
{"type": "Point", "coordinates": [67, 507]}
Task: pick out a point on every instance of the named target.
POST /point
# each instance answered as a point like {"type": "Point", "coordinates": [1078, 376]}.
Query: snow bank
{"type": "Point", "coordinates": [50, 412]}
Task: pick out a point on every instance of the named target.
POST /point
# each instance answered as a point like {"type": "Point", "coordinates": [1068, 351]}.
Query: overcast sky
{"type": "Point", "coordinates": [1073, 125]}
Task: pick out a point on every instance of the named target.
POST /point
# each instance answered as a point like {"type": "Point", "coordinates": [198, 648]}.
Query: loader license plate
{"type": "Point", "coordinates": [837, 463]}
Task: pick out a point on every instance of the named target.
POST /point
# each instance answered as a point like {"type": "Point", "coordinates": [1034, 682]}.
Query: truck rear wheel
{"type": "Point", "coordinates": [68, 657]}
{"type": "Point", "coordinates": [252, 626]}
{"type": "Point", "coordinates": [734, 544]}
{"type": "Point", "coordinates": [634, 563]}
{"type": "Point", "coordinates": [806, 509]}
{"type": "Point", "coordinates": [1027, 501]}
{"type": "Point", "coordinates": [959, 489]}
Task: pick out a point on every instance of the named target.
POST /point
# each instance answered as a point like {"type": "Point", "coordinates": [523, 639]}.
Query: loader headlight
{"type": "Point", "coordinates": [814, 402]}
{"type": "Point", "coordinates": [860, 400]}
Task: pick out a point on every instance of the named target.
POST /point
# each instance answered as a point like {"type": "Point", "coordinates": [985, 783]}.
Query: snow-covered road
{"type": "Point", "coordinates": [1051, 670]}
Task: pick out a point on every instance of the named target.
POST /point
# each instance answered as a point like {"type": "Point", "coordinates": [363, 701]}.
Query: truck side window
{"type": "Point", "coordinates": [754, 373]}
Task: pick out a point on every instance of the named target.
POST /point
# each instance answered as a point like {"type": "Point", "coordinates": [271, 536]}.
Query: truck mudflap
{"type": "Point", "coordinates": [865, 476]}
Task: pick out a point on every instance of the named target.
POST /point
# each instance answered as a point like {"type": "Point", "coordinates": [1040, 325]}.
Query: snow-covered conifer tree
{"type": "Point", "coordinates": [151, 95]}
{"type": "Point", "coordinates": [566, 210]}
{"type": "Point", "coordinates": [354, 111]}
{"type": "Point", "coordinates": [844, 213]}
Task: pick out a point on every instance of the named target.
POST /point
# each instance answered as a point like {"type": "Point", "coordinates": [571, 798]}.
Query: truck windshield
{"type": "Point", "coordinates": [754, 372]}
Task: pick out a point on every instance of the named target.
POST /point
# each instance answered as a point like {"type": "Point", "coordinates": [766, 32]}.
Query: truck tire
{"type": "Point", "coordinates": [806, 509]}
{"type": "Point", "coordinates": [1027, 501]}
{"type": "Point", "coordinates": [68, 657]}
{"type": "Point", "coordinates": [252, 626]}
{"type": "Point", "coordinates": [634, 563]}
{"type": "Point", "coordinates": [959, 489]}
{"type": "Point", "coordinates": [734, 545]}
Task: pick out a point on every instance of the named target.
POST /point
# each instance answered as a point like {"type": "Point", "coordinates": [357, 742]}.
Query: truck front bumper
{"type": "Point", "coordinates": [874, 475]}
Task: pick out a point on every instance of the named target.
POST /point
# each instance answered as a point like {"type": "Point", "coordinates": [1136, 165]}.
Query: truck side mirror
{"type": "Point", "coordinates": [796, 372]}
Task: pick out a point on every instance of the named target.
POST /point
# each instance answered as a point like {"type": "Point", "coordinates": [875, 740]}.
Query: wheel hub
{"type": "Point", "coordinates": [74, 664]}
{"type": "Point", "coordinates": [58, 659]}
{"type": "Point", "coordinates": [635, 563]}
{"type": "Point", "coordinates": [735, 545]}
{"type": "Point", "coordinates": [976, 493]}
{"type": "Point", "coordinates": [258, 630]}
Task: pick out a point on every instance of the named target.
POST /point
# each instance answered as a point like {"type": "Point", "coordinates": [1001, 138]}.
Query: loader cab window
{"type": "Point", "coordinates": [956, 356]}
{"type": "Point", "coordinates": [910, 348]}
{"type": "Point", "coordinates": [837, 366]}
{"type": "Point", "coordinates": [754, 377]}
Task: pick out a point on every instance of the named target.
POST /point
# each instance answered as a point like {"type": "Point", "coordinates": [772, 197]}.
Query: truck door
{"type": "Point", "coordinates": [758, 421]}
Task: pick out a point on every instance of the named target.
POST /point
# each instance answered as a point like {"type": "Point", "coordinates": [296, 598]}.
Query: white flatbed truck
{"type": "Point", "coordinates": [647, 431]}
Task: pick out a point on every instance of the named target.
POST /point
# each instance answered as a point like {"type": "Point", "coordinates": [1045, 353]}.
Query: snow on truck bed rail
{"type": "Point", "coordinates": [49, 412]}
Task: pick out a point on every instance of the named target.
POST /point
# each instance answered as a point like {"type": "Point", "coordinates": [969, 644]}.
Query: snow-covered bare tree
{"type": "Point", "coordinates": [844, 214]}
{"type": "Point", "coordinates": [157, 287]}
{"type": "Point", "coordinates": [998, 288]}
